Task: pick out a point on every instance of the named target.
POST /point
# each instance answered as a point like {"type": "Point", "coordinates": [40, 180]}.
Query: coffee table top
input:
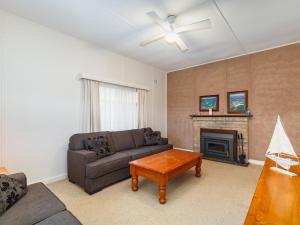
{"type": "Point", "coordinates": [166, 161]}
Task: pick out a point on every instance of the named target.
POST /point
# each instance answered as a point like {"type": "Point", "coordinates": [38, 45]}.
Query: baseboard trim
{"type": "Point", "coordinates": [51, 179]}
{"type": "Point", "coordinates": [251, 161]}
{"type": "Point", "coordinates": [256, 162]}
{"type": "Point", "coordinates": [184, 149]}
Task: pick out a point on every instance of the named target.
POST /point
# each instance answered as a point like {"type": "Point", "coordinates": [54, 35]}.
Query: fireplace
{"type": "Point", "coordinates": [219, 144]}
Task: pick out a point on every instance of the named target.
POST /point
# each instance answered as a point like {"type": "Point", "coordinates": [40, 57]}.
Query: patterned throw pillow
{"type": "Point", "coordinates": [151, 138]}
{"type": "Point", "coordinates": [11, 191]}
{"type": "Point", "coordinates": [99, 145]}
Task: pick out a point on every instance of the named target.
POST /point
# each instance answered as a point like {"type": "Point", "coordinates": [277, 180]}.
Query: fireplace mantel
{"type": "Point", "coordinates": [249, 116]}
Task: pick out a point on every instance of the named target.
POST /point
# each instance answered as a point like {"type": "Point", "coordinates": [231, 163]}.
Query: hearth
{"type": "Point", "coordinates": [219, 144]}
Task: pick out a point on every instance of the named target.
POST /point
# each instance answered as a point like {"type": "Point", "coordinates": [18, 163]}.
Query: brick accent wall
{"type": "Point", "coordinates": [272, 79]}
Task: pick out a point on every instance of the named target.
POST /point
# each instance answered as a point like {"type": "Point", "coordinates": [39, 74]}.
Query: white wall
{"type": "Point", "coordinates": [41, 96]}
{"type": "Point", "coordinates": [2, 99]}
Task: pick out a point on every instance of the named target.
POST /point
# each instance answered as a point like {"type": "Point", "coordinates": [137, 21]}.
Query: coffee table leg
{"type": "Point", "coordinates": [162, 194]}
{"type": "Point", "coordinates": [198, 168]}
{"type": "Point", "coordinates": [134, 183]}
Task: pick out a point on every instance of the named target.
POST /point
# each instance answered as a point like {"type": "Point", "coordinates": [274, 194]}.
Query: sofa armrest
{"type": "Point", "coordinates": [84, 156]}
{"type": "Point", "coordinates": [21, 177]}
{"type": "Point", "coordinates": [163, 141]}
{"type": "Point", "coordinates": [77, 161]}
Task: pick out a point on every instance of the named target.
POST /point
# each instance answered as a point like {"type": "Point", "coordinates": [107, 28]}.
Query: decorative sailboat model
{"type": "Point", "coordinates": [281, 151]}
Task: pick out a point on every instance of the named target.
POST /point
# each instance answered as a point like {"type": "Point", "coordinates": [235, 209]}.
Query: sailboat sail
{"type": "Point", "coordinates": [280, 142]}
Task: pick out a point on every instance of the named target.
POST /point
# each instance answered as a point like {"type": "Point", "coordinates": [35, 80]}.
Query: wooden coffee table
{"type": "Point", "coordinates": [163, 167]}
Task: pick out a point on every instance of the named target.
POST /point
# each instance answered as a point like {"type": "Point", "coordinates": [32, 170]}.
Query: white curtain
{"type": "Point", "coordinates": [143, 109]}
{"type": "Point", "coordinates": [118, 107]}
{"type": "Point", "coordinates": [91, 118]}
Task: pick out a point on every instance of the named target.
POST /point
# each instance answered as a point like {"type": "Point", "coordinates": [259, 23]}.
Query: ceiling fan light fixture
{"type": "Point", "coordinates": [172, 32]}
{"type": "Point", "coordinates": [170, 37]}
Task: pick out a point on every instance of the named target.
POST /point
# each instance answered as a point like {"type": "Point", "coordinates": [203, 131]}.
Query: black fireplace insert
{"type": "Point", "coordinates": [219, 144]}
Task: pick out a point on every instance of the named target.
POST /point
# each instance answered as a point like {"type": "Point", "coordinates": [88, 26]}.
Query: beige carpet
{"type": "Point", "coordinates": [220, 197]}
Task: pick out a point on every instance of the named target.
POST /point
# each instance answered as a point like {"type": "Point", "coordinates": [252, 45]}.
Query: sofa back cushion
{"type": "Point", "coordinates": [138, 137]}
{"type": "Point", "coordinates": [122, 140]}
{"type": "Point", "coordinates": [77, 141]}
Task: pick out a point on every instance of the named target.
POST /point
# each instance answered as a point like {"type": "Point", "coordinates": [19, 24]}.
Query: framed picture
{"type": "Point", "coordinates": [237, 101]}
{"type": "Point", "coordinates": [209, 101]}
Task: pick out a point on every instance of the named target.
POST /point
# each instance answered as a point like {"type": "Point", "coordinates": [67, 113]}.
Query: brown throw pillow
{"type": "Point", "coordinates": [99, 145]}
{"type": "Point", "coordinates": [11, 190]}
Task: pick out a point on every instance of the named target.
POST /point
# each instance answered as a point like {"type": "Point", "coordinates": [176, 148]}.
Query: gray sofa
{"type": "Point", "coordinates": [39, 206]}
{"type": "Point", "coordinates": [94, 174]}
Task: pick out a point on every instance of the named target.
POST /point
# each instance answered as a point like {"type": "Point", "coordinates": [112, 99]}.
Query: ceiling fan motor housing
{"type": "Point", "coordinates": [171, 19]}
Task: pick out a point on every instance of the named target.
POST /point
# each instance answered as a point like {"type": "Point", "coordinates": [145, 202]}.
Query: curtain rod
{"type": "Point", "coordinates": [114, 82]}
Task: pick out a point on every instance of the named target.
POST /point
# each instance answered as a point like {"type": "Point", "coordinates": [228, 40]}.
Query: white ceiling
{"type": "Point", "coordinates": [238, 26]}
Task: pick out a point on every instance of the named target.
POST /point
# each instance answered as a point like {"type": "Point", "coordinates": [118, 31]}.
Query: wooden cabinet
{"type": "Point", "coordinates": [3, 170]}
{"type": "Point", "coordinates": [276, 200]}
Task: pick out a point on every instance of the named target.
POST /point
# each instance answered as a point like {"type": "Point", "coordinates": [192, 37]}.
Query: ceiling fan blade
{"type": "Point", "coordinates": [201, 25]}
{"type": "Point", "coordinates": [150, 40]}
{"type": "Point", "coordinates": [156, 19]}
{"type": "Point", "coordinates": [180, 44]}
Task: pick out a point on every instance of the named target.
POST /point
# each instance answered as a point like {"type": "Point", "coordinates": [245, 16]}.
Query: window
{"type": "Point", "coordinates": [118, 107]}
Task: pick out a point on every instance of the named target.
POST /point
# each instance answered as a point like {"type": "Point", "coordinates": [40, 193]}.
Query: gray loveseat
{"type": "Point", "coordinates": [39, 206]}
{"type": "Point", "coordinates": [94, 174]}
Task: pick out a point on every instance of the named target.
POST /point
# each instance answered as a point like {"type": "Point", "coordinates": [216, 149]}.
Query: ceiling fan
{"type": "Point", "coordinates": [171, 32]}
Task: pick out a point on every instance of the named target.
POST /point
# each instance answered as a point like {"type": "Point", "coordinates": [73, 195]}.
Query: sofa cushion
{"type": "Point", "coordinates": [11, 190]}
{"type": "Point", "coordinates": [61, 218]}
{"type": "Point", "coordinates": [146, 151]}
{"type": "Point", "coordinates": [122, 140]}
{"type": "Point", "coordinates": [138, 137]}
{"type": "Point", "coordinates": [160, 148]}
{"type": "Point", "coordinates": [38, 204]}
{"type": "Point", "coordinates": [107, 165]}
{"type": "Point", "coordinates": [138, 152]}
